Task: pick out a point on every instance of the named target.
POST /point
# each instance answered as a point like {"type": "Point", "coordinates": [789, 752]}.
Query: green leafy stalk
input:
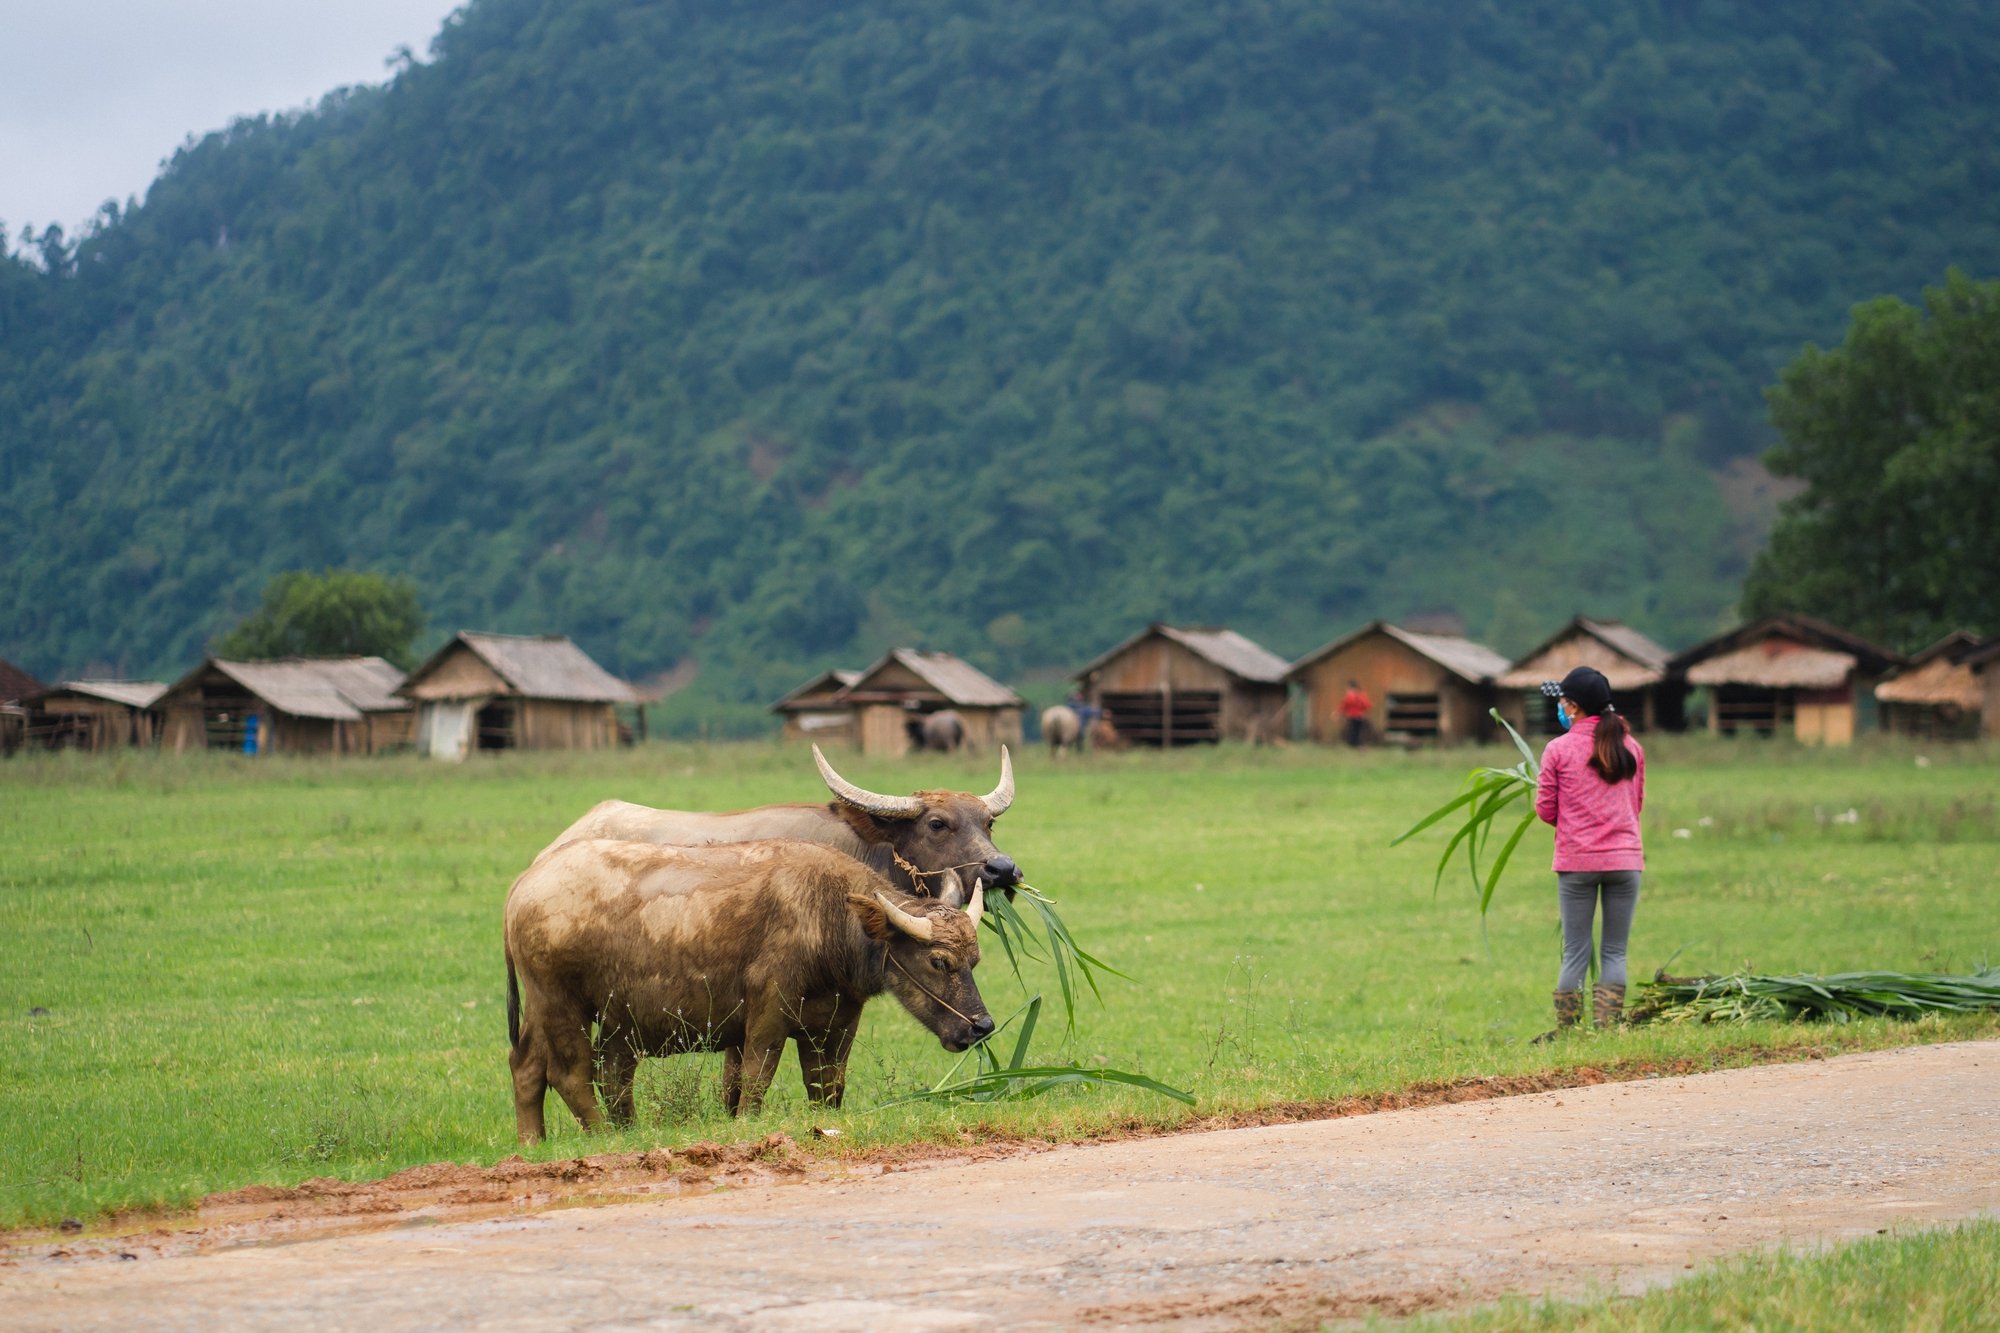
{"type": "Point", "coordinates": [1487, 793]}
{"type": "Point", "coordinates": [1072, 961]}
{"type": "Point", "coordinates": [1017, 1080]}
{"type": "Point", "coordinates": [1839, 998]}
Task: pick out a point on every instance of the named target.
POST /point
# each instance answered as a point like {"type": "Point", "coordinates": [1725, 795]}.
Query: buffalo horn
{"type": "Point", "coordinates": [978, 907]}
{"type": "Point", "coordinates": [874, 803]}
{"type": "Point", "coordinates": [916, 927]}
{"type": "Point", "coordinates": [1001, 796]}
{"type": "Point", "coordinates": [952, 891]}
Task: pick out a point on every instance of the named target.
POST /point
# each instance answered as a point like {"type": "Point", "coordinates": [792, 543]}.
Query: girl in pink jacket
{"type": "Point", "coordinates": [1592, 788]}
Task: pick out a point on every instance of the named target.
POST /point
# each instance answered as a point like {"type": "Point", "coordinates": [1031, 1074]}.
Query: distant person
{"type": "Point", "coordinates": [1355, 706]}
{"type": "Point", "coordinates": [1086, 717]}
{"type": "Point", "coordinates": [1592, 788]}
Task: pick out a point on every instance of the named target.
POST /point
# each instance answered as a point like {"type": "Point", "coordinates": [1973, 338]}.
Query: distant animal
{"type": "Point", "coordinates": [944, 730]}
{"type": "Point", "coordinates": [1104, 736]}
{"type": "Point", "coordinates": [1061, 728]}
{"type": "Point", "coordinates": [732, 948]}
{"type": "Point", "coordinates": [912, 841]}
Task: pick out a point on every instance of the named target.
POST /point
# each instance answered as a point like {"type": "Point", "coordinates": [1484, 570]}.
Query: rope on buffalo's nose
{"type": "Point", "coordinates": [917, 877]}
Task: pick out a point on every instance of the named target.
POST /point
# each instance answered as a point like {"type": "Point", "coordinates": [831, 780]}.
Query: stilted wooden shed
{"type": "Point", "coordinates": [1424, 687]}
{"type": "Point", "coordinates": [1788, 675]}
{"type": "Point", "coordinates": [815, 711]}
{"type": "Point", "coordinates": [94, 714]}
{"type": "Point", "coordinates": [15, 685]}
{"type": "Point", "coordinates": [311, 705]}
{"type": "Point", "coordinates": [1170, 686]}
{"type": "Point", "coordinates": [1634, 664]}
{"type": "Point", "coordinates": [1938, 695]}
{"type": "Point", "coordinates": [514, 692]}
{"type": "Point", "coordinates": [891, 698]}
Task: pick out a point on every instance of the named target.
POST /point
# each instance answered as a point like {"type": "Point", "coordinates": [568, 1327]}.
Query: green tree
{"type": "Point", "coordinates": [337, 613]}
{"type": "Point", "coordinates": [1896, 435]}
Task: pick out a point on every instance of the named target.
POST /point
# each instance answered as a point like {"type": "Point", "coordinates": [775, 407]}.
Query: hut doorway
{"type": "Point", "coordinates": [495, 726]}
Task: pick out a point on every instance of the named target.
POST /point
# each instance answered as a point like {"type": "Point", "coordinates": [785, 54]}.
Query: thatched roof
{"type": "Point", "coordinates": [131, 693]}
{"type": "Point", "coordinates": [335, 689]}
{"type": "Point", "coordinates": [818, 691]}
{"type": "Point", "coordinates": [544, 666]}
{"type": "Point", "coordinates": [16, 684]}
{"type": "Point", "coordinates": [1942, 675]}
{"type": "Point", "coordinates": [1783, 652]}
{"type": "Point", "coordinates": [1628, 659]}
{"type": "Point", "coordinates": [1241, 657]}
{"type": "Point", "coordinates": [1472, 662]}
{"type": "Point", "coordinates": [958, 681]}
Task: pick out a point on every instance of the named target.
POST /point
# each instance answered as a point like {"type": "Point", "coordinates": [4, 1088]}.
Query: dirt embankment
{"type": "Point", "coordinates": [448, 1191]}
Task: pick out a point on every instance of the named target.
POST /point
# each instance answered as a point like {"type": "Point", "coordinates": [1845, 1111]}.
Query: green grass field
{"type": "Point", "coordinates": [1943, 1279]}
{"type": "Point", "coordinates": [263, 971]}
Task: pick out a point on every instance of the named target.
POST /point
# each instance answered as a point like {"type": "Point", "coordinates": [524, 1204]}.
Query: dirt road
{"type": "Point", "coordinates": [1625, 1183]}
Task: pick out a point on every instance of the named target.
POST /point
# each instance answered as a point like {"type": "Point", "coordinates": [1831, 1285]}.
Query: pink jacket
{"type": "Point", "coordinates": [1597, 822]}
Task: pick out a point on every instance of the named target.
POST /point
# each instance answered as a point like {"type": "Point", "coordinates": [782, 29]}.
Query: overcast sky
{"type": "Point", "coordinates": [96, 94]}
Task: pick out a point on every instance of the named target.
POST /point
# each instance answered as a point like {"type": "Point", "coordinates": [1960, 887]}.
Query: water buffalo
{"type": "Point", "coordinates": [944, 730]}
{"type": "Point", "coordinates": [731, 948]}
{"type": "Point", "coordinates": [1061, 728]}
{"type": "Point", "coordinates": [912, 840]}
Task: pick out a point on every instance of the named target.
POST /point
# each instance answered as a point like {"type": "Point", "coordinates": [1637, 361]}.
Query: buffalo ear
{"type": "Point", "coordinates": [874, 921]}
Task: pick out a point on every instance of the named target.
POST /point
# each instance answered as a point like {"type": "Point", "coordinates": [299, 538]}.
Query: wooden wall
{"type": "Point", "coordinates": [461, 675]}
{"type": "Point", "coordinates": [1385, 667]}
{"type": "Point", "coordinates": [86, 723]}
{"type": "Point", "coordinates": [559, 724]}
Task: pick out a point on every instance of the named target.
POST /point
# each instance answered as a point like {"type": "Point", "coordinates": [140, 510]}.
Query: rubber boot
{"type": "Point", "coordinates": [1608, 1006]}
{"type": "Point", "coordinates": [1569, 1008]}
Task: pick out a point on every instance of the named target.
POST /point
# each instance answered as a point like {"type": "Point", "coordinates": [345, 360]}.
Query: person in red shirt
{"type": "Point", "coordinates": [1593, 785]}
{"type": "Point", "coordinates": [1355, 706]}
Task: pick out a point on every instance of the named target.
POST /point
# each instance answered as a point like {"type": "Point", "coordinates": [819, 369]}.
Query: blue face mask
{"type": "Point", "coordinates": [1562, 716]}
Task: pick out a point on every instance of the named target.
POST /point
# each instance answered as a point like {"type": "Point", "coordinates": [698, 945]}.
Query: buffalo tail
{"type": "Point", "coordinates": [513, 1005]}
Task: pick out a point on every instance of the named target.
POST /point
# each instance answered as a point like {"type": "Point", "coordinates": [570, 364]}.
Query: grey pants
{"type": "Point", "coordinates": [1579, 891]}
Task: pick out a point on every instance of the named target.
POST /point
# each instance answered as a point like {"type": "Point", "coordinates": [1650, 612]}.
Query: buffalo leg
{"type": "Point", "coordinates": [529, 1062]}
{"type": "Point", "coordinates": [765, 1028]}
{"type": "Point", "coordinates": [570, 1062]}
{"type": "Point", "coordinates": [732, 1079]}
{"type": "Point", "coordinates": [824, 1043]}
{"type": "Point", "coordinates": [617, 1068]}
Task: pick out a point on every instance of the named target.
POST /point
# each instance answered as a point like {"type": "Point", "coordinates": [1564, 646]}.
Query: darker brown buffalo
{"type": "Point", "coordinates": [735, 948]}
{"type": "Point", "coordinates": [914, 841]}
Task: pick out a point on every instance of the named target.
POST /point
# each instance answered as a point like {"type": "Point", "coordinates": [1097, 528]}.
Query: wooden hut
{"type": "Point", "coordinates": [1633, 663]}
{"type": "Point", "coordinates": [309, 705]}
{"type": "Point", "coordinates": [890, 699]}
{"type": "Point", "coordinates": [1984, 662]}
{"type": "Point", "coordinates": [815, 711]}
{"type": "Point", "coordinates": [15, 685]}
{"type": "Point", "coordinates": [1424, 687]}
{"type": "Point", "coordinates": [1169, 686]}
{"type": "Point", "coordinates": [514, 692]}
{"type": "Point", "coordinates": [94, 714]}
{"type": "Point", "coordinates": [1788, 675]}
{"type": "Point", "coordinates": [1938, 695]}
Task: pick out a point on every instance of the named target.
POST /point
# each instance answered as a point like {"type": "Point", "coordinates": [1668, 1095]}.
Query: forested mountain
{"type": "Point", "coordinates": [767, 334]}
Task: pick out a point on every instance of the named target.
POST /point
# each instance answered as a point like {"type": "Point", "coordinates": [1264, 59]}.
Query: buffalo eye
{"type": "Point", "coordinates": [941, 964]}
{"type": "Point", "coordinates": [938, 825]}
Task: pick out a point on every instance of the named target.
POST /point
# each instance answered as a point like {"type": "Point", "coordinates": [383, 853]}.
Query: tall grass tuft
{"type": "Point", "coordinates": [1487, 792]}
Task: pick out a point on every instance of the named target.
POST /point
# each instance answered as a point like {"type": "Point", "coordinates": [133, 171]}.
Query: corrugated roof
{"type": "Point", "coordinates": [544, 666]}
{"type": "Point", "coordinates": [16, 683]}
{"type": "Point", "coordinates": [131, 693]}
{"type": "Point", "coordinates": [957, 680]}
{"type": "Point", "coordinates": [1241, 657]}
{"type": "Point", "coordinates": [1776, 663]}
{"type": "Point", "coordinates": [1628, 659]}
{"type": "Point", "coordinates": [1470, 661]}
{"type": "Point", "coordinates": [825, 683]}
{"type": "Point", "coordinates": [339, 689]}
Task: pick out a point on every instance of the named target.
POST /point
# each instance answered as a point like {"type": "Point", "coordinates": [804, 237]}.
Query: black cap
{"type": "Point", "coordinates": [1586, 685]}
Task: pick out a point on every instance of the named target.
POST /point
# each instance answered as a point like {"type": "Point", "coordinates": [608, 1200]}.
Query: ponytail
{"type": "Point", "coordinates": [1608, 755]}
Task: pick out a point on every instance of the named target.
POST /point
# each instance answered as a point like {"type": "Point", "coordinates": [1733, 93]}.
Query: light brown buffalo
{"type": "Point", "coordinates": [732, 948]}
{"type": "Point", "coordinates": [914, 841]}
{"type": "Point", "coordinates": [1061, 728]}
